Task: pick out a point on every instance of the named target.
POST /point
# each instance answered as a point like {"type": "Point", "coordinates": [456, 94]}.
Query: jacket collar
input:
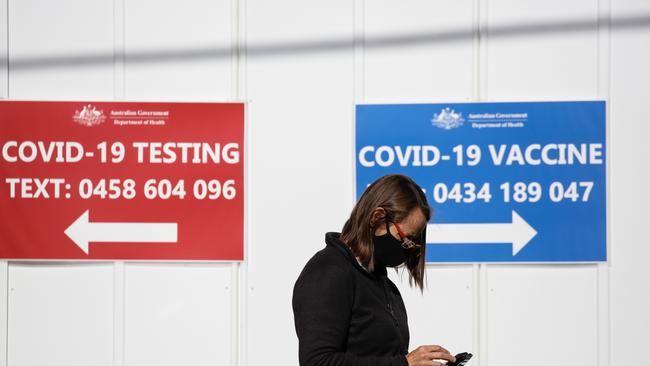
{"type": "Point", "coordinates": [333, 239]}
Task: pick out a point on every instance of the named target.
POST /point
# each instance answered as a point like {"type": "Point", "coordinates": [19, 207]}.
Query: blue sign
{"type": "Point", "coordinates": [508, 182]}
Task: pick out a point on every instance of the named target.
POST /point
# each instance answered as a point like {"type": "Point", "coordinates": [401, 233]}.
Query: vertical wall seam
{"type": "Point", "coordinates": [358, 76]}
{"type": "Point", "coordinates": [603, 77]}
{"type": "Point", "coordinates": [123, 55]}
{"type": "Point", "coordinates": [119, 282]}
{"type": "Point", "coordinates": [476, 311]}
{"type": "Point", "coordinates": [234, 314]}
{"type": "Point", "coordinates": [243, 315]}
{"type": "Point", "coordinates": [235, 266]}
{"type": "Point", "coordinates": [118, 313]}
{"type": "Point", "coordinates": [476, 50]}
{"type": "Point", "coordinates": [608, 179]}
{"type": "Point", "coordinates": [6, 314]}
{"type": "Point", "coordinates": [483, 49]}
{"type": "Point", "coordinates": [480, 270]}
{"type": "Point", "coordinates": [123, 305]}
{"type": "Point", "coordinates": [240, 89]}
{"type": "Point", "coordinates": [234, 49]}
{"type": "Point", "coordinates": [119, 50]}
{"type": "Point", "coordinates": [483, 327]}
{"type": "Point", "coordinates": [243, 57]}
{"type": "Point", "coordinates": [6, 62]}
{"type": "Point", "coordinates": [5, 264]}
{"type": "Point", "coordinates": [475, 95]}
{"type": "Point", "coordinates": [359, 41]}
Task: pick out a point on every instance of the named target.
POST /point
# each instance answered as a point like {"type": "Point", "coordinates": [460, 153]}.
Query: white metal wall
{"type": "Point", "coordinates": [304, 65]}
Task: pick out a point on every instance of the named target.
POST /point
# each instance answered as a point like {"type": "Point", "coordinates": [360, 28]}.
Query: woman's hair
{"type": "Point", "coordinates": [398, 195]}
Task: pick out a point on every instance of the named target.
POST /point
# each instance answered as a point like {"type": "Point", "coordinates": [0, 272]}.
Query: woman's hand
{"type": "Point", "coordinates": [425, 356]}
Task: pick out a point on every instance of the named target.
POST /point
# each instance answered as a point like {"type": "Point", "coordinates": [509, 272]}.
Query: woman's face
{"type": "Point", "coordinates": [412, 225]}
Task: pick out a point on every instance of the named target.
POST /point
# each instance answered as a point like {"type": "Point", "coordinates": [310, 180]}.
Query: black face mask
{"type": "Point", "coordinates": [388, 250]}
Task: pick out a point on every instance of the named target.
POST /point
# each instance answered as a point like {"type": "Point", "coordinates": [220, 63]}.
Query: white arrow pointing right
{"type": "Point", "coordinates": [518, 232]}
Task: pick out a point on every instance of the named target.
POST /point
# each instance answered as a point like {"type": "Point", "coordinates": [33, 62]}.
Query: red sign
{"type": "Point", "coordinates": [122, 181]}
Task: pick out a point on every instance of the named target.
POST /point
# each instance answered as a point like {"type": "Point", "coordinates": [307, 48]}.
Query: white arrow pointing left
{"type": "Point", "coordinates": [82, 231]}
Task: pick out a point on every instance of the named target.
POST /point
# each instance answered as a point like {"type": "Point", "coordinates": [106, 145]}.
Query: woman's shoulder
{"type": "Point", "coordinates": [328, 260]}
{"type": "Point", "coordinates": [326, 277]}
{"type": "Point", "coordinates": [331, 263]}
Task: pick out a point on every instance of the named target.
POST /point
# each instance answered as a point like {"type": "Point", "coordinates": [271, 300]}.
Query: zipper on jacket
{"type": "Point", "coordinates": [390, 310]}
{"type": "Point", "coordinates": [392, 314]}
{"type": "Point", "coordinates": [389, 305]}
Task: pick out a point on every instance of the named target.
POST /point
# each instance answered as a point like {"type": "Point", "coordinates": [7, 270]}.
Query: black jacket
{"type": "Point", "coordinates": [346, 316]}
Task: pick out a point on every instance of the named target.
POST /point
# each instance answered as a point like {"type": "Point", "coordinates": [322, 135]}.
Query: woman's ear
{"type": "Point", "coordinates": [378, 213]}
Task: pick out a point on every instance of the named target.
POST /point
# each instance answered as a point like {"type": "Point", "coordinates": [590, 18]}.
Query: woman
{"type": "Point", "coordinates": [346, 310]}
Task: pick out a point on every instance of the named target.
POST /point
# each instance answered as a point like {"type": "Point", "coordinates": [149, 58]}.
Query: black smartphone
{"type": "Point", "coordinates": [461, 359]}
